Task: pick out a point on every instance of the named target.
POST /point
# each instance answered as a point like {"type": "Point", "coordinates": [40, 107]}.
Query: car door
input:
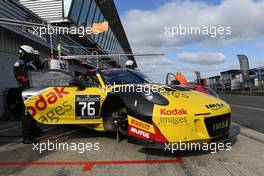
{"type": "Point", "coordinates": [87, 103]}
{"type": "Point", "coordinates": [67, 104]}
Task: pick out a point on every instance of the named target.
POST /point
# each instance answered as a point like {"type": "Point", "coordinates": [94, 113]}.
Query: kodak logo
{"type": "Point", "coordinates": [175, 111]}
{"type": "Point", "coordinates": [50, 98]}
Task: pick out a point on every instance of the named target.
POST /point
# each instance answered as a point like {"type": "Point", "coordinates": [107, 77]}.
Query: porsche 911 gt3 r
{"type": "Point", "coordinates": [127, 101]}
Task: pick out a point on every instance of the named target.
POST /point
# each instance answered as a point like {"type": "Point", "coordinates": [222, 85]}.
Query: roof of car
{"type": "Point", "coordinates": [103, 70]}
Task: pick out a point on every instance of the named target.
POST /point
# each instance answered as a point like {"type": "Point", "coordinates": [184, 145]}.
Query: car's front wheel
{"type": "Point", "coordinates": [117, 120]}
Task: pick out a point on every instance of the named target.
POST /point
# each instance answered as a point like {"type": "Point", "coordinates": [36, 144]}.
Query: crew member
{"type": "Point", "coordinates": [36, 60]}
{"type": "Point", "coordinates": [129, 64]}
{"type": "Point", "coordinates": [181, 78]}
{"type": "Point", "coordinates": [28, 60]}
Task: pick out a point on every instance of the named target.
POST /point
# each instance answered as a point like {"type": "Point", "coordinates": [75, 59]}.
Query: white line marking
{"type": "Point", "coordinates": [248, 107]}
{"type": "Point", "coordinates": [9, 129]}
{"type": "Point", "coordinates": [9, 125]}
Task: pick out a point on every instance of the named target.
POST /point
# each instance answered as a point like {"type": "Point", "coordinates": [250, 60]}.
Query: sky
{"type": "Point", "coordinates": [149, 24]}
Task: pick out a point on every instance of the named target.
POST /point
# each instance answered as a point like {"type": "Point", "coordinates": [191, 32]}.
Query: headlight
{"type": "Point", "coordinates": [149, 96]}
{"type": "Point", "coordinates": [155, 98]}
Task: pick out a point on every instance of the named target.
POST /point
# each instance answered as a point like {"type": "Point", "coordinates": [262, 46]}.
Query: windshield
{"type": "Point", "coordinates": [117, 77]}
{"type": "Point", "coordinates": [49, 78]}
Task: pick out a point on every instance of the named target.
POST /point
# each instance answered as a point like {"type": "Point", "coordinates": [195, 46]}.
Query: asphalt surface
{"type": "Point", "coordinates": [10, 132]}
{"type": "Point", "coordinates": [121, 158]}
{"type": "Point", "coordinates": [247, 111]}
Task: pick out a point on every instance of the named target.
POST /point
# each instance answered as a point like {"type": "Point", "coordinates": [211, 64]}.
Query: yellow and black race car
{"type": "Point", "coordinates": [127, 101]}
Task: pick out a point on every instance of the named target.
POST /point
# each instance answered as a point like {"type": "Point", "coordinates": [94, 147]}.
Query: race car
{"type": "Point", "coordinates": [179, 79]}
{"type": "Point", "coordinates": [128, 102]}
{"type": "Point", "coordinates": [202, 88]}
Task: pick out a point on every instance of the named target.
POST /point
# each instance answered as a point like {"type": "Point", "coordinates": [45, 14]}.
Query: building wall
{"type": "Point", "coordinates": [7, 78]}
{"type": "Point", "coordinates": [9, 45]}
{"type": "Point", "coordinates": [11, 37]}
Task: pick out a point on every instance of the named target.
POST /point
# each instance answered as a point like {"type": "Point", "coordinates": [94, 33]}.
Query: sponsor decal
{"type": "Point", "coordinates": [176, 94]}
{"type": "Point", "coordinates": [139, 132]}
{"type": "Point", "coordinates": [140, 124]}
{"type": "Point", "coordinates": [44, 100]}
{"type": "Point", "coordinates": [165, 111]}
{"type": "Point", "coordinates": [100, 27]}
{"type": "Point", "coordinates": [87, 107]}
{"type": "Point", "coordinates": [220, 125]}
{"type": "Point", "coordinates": [173, 120]}
{"type": "Point", "coordinates": [136, 132]}
{"type": "Point", "coordinates": [215, 107]}
{"type": "Point", "coordinates": [53, 116]}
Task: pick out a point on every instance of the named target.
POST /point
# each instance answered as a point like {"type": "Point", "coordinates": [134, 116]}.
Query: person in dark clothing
{"type": "Point", "coordinates": [36, 60]}
{"type": "Point", "coordinates": [28, 61]}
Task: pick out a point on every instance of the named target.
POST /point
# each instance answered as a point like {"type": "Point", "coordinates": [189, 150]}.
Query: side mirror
{"type": "Point", "coordinates": [175, 82]}
{"type": "Point", "coordinates": [77, 83]}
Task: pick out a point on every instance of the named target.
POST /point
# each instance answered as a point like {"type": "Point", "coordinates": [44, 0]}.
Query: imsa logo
{"type": "Point", "coordinates": [220, 125]}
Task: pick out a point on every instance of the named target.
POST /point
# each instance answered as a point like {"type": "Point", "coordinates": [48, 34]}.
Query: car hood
{"type": "Point", "coordinates": [196, 103]}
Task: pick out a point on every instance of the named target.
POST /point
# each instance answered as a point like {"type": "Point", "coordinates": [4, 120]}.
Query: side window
{"type": "Point", "coordinates": [90, 80]}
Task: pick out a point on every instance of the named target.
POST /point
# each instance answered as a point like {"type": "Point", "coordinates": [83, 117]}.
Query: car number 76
{"type": "Point", "coordinates": [87, 108]}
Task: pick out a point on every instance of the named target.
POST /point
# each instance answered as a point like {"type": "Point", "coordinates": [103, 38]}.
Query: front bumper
{"type": "Point", "coordinates": [234, 130]}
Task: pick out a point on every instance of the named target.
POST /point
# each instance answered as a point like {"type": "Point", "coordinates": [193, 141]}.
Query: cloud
{"type": "Point", "coordinates": [260, 46]}
{"type": "Point", "coordinates": [146, 28]}
{"type": "Point", "coordinates": [156, 67]}
{"type": "Point", "coordinates": [259, 62]}
{"type": "Point", "coordinates": [157, 70]}
{"type": "Point", "coordinates": [202, 58]}
{"type": "Point", "coordinates": [146, 32]}
{"type": "Point", "coordinates": [153, 61]}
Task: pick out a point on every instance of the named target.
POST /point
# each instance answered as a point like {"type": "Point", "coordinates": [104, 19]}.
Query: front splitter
{"type": "Point", "coordinates": [234, 130]}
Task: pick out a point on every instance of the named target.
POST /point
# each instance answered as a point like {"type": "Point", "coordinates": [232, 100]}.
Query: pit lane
{"type": "Point", "coordinates": [116, 158]}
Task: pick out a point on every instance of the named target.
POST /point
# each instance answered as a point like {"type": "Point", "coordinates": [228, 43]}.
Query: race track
{"type": "Point", "coordinates": [247, 111]}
